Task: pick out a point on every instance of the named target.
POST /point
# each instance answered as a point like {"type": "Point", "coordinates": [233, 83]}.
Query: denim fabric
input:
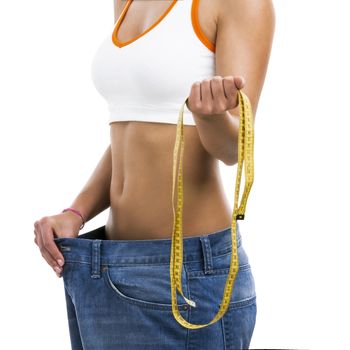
{"type": "Point", "coordinates": [118, 293]}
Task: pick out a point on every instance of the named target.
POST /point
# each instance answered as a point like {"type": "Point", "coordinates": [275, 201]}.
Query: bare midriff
{"type": "Point", "coordinates": [142, 159]}
{"type": "Point", "coordinates": [141, 184]}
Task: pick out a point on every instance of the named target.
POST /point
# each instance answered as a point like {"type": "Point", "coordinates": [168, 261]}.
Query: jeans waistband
{"type": "Point", "coordinates": [93, 248]}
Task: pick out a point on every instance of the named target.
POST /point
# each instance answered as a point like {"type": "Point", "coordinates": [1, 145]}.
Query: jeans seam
{"type": "Point", "coordinates": [243, 303]}
{"type": "Point", "coordinates": [223, 330]}
{"type": "Point", "coordinates": [226, 250]}
{"type": "Point", "coordinates": [189, 309]}
{"type": "Point", "coordinates": [216, 272]}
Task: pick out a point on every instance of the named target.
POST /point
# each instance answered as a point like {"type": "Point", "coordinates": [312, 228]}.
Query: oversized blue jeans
{"type": "Point", "coordinates": [118, 293]}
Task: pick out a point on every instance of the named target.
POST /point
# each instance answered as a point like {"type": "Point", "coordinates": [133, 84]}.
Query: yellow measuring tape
{"type": "Point", "coordinates": [246, 154]}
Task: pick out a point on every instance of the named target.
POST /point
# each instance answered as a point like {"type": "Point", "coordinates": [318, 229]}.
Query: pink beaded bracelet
{"type": "Point", "coordinates": [76, 212]}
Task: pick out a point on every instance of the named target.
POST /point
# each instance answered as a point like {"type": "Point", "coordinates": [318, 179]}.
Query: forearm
{"type": "Point", "coordinates": [95, 195]}
{"type": "Point", "coordinates": [219, 135]}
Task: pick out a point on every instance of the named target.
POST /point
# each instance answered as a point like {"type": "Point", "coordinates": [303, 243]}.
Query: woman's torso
{"type": "Point", "coordinates": [142, 160]}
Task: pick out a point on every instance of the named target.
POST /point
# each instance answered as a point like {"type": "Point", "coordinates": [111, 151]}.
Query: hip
{"type": "Point", "coordinates": [125, 284]}
{"type": "Point", "coordinates": [141, 267]}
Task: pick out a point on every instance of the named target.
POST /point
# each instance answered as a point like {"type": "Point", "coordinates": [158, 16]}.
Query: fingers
{"type": "Point", "coordinates": [194, 98]}
{"type": "Point", "coordinates": [44, 238]}
{"type": "Point", "coordinates": [220, 100]}
{"type": "Point", "coordinates": [239, 81]}
{"type": "Point", "coordinates": [231, 92]}
{"type": "Point", "coordinates": [207, 97]}
{"type": "Point", "coordinates": [215, 96]}
{"type": "Point", "coordinates": [46, 255]}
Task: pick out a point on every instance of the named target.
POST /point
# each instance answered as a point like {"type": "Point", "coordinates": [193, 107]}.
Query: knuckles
{"type": "Point", "coordinates": [44, 220]}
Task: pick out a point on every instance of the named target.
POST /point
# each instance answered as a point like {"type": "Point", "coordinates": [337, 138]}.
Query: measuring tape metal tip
{"type": "Point", "coordinates": [245, 156]}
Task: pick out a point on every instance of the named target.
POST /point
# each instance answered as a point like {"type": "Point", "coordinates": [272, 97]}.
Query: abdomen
{"type": "Point", "coordinates": [141, 185]}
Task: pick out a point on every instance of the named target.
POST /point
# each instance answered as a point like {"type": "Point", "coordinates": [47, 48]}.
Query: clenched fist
{"type": "Point", "coordinates": [215, 95]}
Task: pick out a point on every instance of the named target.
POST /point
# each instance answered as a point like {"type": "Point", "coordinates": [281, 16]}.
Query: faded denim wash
{"type": "Point", "coordinates": [118, 293]}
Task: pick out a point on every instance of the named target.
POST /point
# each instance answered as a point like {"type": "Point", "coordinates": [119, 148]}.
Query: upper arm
{"type": "Point", "coordinates": [243, 43]}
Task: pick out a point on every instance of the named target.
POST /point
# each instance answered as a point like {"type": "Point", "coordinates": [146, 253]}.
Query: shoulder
{"type": "Point", "coordinates": [243, 43]}
{"type": "Point", "coordinates": [246, 13]}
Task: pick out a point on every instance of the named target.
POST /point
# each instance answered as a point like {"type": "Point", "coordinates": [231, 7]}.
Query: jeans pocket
{"type": "Point", "coordinates": [208, 290]}
{"type": "Point", "coordinates": [147, 286]}
{"type": "Point", "coordinates": [210, 286]}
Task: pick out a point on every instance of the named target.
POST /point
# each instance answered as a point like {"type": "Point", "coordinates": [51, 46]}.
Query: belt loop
{"type": "Point", "coordinates": [207, 255]}
{"type": "Point", "coordinates": [96, 258]}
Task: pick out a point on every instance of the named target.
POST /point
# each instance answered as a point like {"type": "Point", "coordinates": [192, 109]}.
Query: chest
{"type": "Point", "coordinates": [147, 64]}
{"type": "Point", "coordinates": [142, 15]}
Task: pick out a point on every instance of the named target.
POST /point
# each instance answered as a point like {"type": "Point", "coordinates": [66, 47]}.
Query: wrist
{"type": "Point", "coordinates": [77, 213]}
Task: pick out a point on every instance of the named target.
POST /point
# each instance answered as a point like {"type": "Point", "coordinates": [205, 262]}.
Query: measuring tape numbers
{"type": "Point", "coordinates": [246, 156]}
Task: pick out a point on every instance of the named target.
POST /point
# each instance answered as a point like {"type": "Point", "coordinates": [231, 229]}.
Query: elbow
{"type": "Point", "coordinates": [230, 160]}
{"type": "Point", "coordinates": [229, 157]}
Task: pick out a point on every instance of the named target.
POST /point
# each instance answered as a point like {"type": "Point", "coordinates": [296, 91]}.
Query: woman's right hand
{"type": "Point", "coordinates": [65, 224]}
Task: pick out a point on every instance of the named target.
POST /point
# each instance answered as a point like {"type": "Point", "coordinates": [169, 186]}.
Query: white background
{"type": "Point", "coordinates": [54, 130]}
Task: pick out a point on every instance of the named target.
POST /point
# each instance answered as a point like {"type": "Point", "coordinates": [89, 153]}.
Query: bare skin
{"type": "Point", "coordinates": [134, 176]}
{"type": "Point", "coordinates": [142, 152]}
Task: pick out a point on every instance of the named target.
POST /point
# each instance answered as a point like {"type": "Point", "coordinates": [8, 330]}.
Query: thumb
{"type": "Point", "coordinates": [239, 82]}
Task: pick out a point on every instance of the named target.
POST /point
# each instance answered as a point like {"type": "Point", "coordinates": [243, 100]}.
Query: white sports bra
{"type": "Point", "coordinates": [149, 77]}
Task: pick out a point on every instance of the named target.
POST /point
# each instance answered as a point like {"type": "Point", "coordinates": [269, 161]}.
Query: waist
{"type": "Point", "coordinates": [141, 183]}
{"type": "Point", "coordinates": [136, 252]}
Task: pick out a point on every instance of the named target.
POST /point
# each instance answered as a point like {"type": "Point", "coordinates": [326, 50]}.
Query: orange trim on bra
{"type": "Point", "coordinates": [121, 17]}
{"type": "Point", "coordinates": [197, 29]}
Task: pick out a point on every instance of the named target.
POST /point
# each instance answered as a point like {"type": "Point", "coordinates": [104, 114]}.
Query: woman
{"type": "Point", "coordinates": [116, 277]}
